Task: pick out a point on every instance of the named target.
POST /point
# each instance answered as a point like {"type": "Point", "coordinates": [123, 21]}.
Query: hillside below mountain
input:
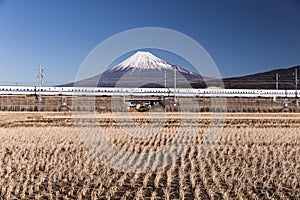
{"type": "Point", "coordinates": [264, 80]}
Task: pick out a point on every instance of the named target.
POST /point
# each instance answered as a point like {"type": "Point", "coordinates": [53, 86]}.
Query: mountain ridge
{"type": "Point", "coordinates": [261, 80]}
{"type": "Point", "coordinates": [143, 69]}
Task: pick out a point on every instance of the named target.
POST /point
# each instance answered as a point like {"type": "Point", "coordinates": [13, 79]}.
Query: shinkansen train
{"type": "Point", "coordinates": [111, 91]}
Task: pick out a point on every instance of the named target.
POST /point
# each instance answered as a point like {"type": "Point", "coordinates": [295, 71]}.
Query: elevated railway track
{"type": "Point", "coordinates": [22, 98]}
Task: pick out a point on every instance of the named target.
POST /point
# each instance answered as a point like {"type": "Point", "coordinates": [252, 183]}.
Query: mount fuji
{"type": "Point", "coordinates": [143, 61]}
{"type": "Point", "coordinates": [142, 69]}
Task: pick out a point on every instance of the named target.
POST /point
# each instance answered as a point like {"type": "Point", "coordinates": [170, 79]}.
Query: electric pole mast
{"type": "Point", "coordinates": [165, 79]}
{"type": "Point", "coordinates": [277, 85]}
{"type": "Point", "coordinates": [296, 84]}
{"type": "Point", "coordinates": [175, 86]}
{"type": "Point", "coordinates": [41, 81]}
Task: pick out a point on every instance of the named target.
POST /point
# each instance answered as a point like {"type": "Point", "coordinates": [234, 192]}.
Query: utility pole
{"type": "Point", "coordinates": [165, 79]}
{"type": "Point", "coordinates": [41, 81]}
{"type": "Point", "coordinates": [175, 100]}
{"type": "Point", "coordinates": [277, 86]}
{"type": "Point", "coordinates": [296, 84]}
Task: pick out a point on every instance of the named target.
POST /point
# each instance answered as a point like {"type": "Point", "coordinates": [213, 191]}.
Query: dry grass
{"type": "Point", "coordinates": [257, 157]}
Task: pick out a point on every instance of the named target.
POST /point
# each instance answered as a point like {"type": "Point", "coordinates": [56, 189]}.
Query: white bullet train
{"type": "Point", "coordinates": [111, 91]}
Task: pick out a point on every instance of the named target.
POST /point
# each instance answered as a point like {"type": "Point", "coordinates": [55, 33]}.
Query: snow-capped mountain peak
{"type": "Point", "coordinates": [141, 61]}
{"type": "Point", "coordinates": [143, 69]}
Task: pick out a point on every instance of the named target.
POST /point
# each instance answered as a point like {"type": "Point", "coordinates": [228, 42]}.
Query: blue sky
{"type": "Point", "coordinates": [242, 37]}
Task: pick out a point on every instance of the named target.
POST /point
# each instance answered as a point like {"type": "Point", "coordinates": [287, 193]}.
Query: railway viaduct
{"type": "Point", "coordinates": [158, 103]}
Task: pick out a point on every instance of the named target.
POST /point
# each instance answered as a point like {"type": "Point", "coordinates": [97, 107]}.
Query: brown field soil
{"type": "Point", "coordinates": [257, 156]}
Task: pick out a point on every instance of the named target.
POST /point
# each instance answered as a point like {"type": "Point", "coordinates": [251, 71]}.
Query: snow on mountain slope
{"type": "Point", "coordinates": [142, 61]}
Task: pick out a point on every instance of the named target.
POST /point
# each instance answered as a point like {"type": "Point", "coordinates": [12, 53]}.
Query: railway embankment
{"type": "Point", "coordinates": [121, 104]}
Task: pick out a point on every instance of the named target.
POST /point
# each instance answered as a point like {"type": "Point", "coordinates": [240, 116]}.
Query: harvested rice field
{"type": "Point", "coordinates": [60, 156]}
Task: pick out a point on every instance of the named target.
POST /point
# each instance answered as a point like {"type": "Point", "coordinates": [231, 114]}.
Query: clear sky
{"type": "Point", "coordinates": [241, 36]}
